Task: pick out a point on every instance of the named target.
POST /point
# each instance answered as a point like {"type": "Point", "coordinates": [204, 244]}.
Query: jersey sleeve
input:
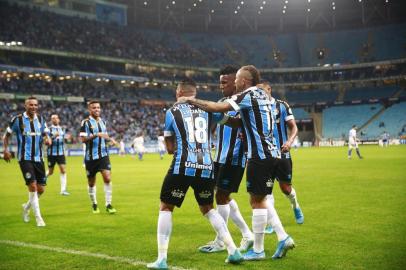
{"type": "Point", "coordinates": [219, 118]}
{"type": "Point", "coordinates": [287, 112]}
{"type": "Point", "coordinates": [12, 125]}
{"type": "Point", "coordinates": [240, 101]}
{"type": "Point", "coordinates": [44, 129]}
{"type": "Point", "coordinates": [84, 129]}
{"type": "Point", "coordinates": [169, 119]}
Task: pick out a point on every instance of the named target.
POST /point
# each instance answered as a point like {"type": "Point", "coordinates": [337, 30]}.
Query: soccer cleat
{"type": "Point", "coordinates": [158, 264]}
{"type": "Point", "coordinates": [95, 209]}
{"type": "Point", "coordinates": [65, 193]}
{"type": "Point", "coordinates": [245, 244]}
{"type": "Point", "coordinates": [40, 222]}
{"type": "Point", "coordinates": [251, 255]}
{"type": "Point", "coordinates": [213, 246]}
{"type": "Point", "coordinates": [235, 258]}
{"type": "Point", "coordinates": [26, 213]}
{"type": "Point", "coordinates": [283, 247]}
{"type": "Point", "coordinates": [269, 230]}
{"type": "Point", "coordinates": [298, 215]}
{"type": "Point", "coordinates": [110, 209]}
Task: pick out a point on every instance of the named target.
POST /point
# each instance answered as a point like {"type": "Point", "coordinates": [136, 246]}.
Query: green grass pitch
{"type": "Point", "coordinates": [354, 216]}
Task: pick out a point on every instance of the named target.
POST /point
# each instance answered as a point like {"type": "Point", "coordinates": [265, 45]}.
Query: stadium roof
{"type": "Point", "coordinates": [265, 16]}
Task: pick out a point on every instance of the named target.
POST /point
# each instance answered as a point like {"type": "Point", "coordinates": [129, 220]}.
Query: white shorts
{"type": "Point", "coordinates": [352, 145]}
{"type": "Point", "coordinates": [139, 148]}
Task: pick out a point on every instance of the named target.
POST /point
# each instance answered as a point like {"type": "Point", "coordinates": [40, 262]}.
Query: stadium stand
{"type": "Point", "coordinates": [337, 120]}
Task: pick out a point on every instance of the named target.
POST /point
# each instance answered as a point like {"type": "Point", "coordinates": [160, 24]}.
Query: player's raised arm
{"type": "Point", "coordinates": [208, 106]}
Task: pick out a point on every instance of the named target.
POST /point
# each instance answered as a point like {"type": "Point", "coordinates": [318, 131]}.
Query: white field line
{"type": "Point", "coordinates": [83, 253]}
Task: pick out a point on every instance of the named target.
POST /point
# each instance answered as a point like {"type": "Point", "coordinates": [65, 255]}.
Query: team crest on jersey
{"type": "Point", "coordinates": [269, 183]}
{"type": "Point", "coordinates": [27, 175]}
{"type": "Point", "coordinates": [205, 194]}
{"type": "Point", "coordinates": [177, 193]}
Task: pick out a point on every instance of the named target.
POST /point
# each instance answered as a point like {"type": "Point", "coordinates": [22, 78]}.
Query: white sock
{"type": "Point", "coordinates": [63, 179]}
{"type": "Point", "coordinates": [224, 211]}
{"type": "Point", "coordinates": [238, 220]}
{"type": "Point", "coordinates": [221, 229]}
{"type": "Point", "coordinates": [108, 192]}
{"type": "Point", "coordinates": [35, 203]}
{"type": "Point", "coordinates": [275, 222]}
{"type": "Point", "coordinates": [270, 201]}
{"type": "Point", "coordinates": [293, 199]}
{"type": "Point", "coordinates": [28, 203]}
{"type": "Point", "coordinates": [92, 194]}
{"type": "Point", "coordinates": [259, 218]}
{"type": "Point", "coordinates": [47, 173]}
{"type": "Point", "coordinates": [164, 233]}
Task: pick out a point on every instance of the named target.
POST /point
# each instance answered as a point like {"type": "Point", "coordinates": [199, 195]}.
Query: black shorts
{"type": "Point", "coordinates": [228, 177]}
{"type": "Point", "coordinates": [260, 174]}
{"type": "Point", "coordinates": [175, 186]}
{"type": "Point", "coordinates": [60, 160]}
{"type": "Point", "coordinates": [283, 171]}
{"type": "Point", "coordinates": [33, 171]}
{"type": "Point", "coordinates": [97, 165]}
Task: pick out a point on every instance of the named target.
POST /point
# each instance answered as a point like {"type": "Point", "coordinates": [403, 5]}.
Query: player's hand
{"type": "Point", "coordinates": [103, 135]}
{"type": "Point", "coordinates": [48, 141]}
{"type": "Point", "coordinates": [286, 147]}
{"type": "Point", "coordinates": [113, 142]}
{"type": "Point", "coordinates": [7, 156]}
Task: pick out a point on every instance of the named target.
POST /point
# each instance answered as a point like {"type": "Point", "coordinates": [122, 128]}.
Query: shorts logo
{"type": "Point", "coordinates": [177, 193]}
{"type": "Point", "coordinates": [87, 173]}
{"type": "Point", "coordinates": [289, 176]}
{"type": "Point", "coordinates": [27, 175]}
{"type": "Point", "coordinates": [205, 194]}
{"type": "Point", "coordinates": [109, 166]}
{"type": "Point", "coordinates": [225, 181]}
{"type": "Point", "coordinates": [269, 183]}
{"type": "Point", "coordinates": [49, 163]}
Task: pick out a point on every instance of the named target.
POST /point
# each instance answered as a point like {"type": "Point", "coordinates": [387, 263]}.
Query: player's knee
{"type": "Point", "coordinates": [205, 208]}
{"type": "Point", "coordinates": [222, 197]}
{"type": "Point", "coordinates": [258, 201]}
{"type": "Point", "coordinates": [286, 188]}
{"type": "Point", "coordinates": [166, 207]}
{"type": "Point", "coordinates": [63, 171]}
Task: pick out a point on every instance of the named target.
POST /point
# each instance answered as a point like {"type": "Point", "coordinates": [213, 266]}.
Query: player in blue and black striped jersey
{"type": "Point", "coordinates": [263, 155]}
{"type": "Point", "coordinates": [188, 137]}
{"type": "Point", "coordinates": [56, 152]}
{"type": "Point", "coordinates": [31, 131]}
{"type": "Point", "coordinates": [229, 165]}
{"type": "Point", "coordinates": [93, 132]}
{"type": "Point", "coordinates": [284, 121]}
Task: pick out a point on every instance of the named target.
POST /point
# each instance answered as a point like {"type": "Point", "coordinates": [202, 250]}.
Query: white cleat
{"type": "Point", "coordinates": [26, 213]}
{"type": "Point", "coordinates": [40, 222]}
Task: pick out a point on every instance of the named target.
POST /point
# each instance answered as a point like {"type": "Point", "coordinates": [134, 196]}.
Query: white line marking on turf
{"type": "Point", "coordinates": [83, 253]}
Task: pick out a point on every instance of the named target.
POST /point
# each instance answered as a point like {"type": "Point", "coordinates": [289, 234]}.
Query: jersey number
{"type": "Point", "coordinates": [197, 133]}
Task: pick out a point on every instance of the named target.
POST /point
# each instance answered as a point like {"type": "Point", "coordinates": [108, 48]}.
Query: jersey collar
{"type": "Point", "coordinates": [26, 115]}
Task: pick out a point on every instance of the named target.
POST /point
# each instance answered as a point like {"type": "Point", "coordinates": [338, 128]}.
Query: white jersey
{"type": "Point", "coordinates": [122, 146]}
{"type": "Point", "coordinates": [138, 143]}
{"type": "Point", "coordinates": [161, 143]}
{"type": "Point", "coordinates": [352, 138]}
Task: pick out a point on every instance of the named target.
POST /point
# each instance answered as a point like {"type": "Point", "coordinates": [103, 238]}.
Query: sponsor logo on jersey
{"type": "Point", "coordinates": [193, 165]}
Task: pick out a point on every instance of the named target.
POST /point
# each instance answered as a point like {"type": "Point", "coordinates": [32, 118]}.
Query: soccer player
{"type": "Point", "coordinates": [353, 142]}
{"type": "Point", "coordinates": [138, 145]}
{"type": "Point", "coordinates": [122, 147]}
{"type": "Point", "coordinates": [255, 109]}
{"type": "Point", "coordinates": [187, 137]}
{"type": "Point", "coordinates": [93, 133]}
{"type": "Point", "coordinates": [56, 152]}
{"type": "Point", "coordinates": [284, 121]}
{"type": "Point", "coordinates": [229, 165]}
{"type": "Point", "coordinates": [31, 131]}
{"type": "Point", "coordinates": [385, 139]}
{"type": "Point", "coordinates": [161, 146]}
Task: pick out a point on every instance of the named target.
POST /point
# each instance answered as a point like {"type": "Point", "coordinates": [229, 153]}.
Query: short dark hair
{"type": "Point", "coordinates": [31, 98]}
{"type": "Point", "coordinates": [256, 77]}
{"type": "Point", "coordinates": [90, 102]}
{"type": "Point", "coordinates": [188, 82]}
{"type": "Point", "coordinates": [227, 70]}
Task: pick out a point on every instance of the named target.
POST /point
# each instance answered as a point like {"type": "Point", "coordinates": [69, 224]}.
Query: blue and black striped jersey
{"type": "Point", "coordinates": [229, 146]}
{"type": "Point", "coordinates": [282, 113]}
{"type": "Point", "coordinates": [57, 135]}
{"type": "Point", "coordinates": [30, 134]}
{"type": "Point", "coordinates": [96, 148]}
{"type": "Point", "coordinates": [255, 110]}
{"type": "Point", "coordinates": [191, 128]}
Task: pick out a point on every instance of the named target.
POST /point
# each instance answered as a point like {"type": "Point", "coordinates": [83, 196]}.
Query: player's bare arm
{"type": "Point", "coordinates": [293, 133]}
{"type": "Point", "coordinates": [6, 153]}
{"type": "Point", "coordinates": [170, 144]}
{"type": "Point", "coordinates": [208, 106]}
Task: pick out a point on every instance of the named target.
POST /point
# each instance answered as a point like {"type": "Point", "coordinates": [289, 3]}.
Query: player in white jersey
{"type": "Point", "coordinates": [385, 139]}
{"type": "Point", "coordinates": [161, 146]}
{"type": "Point", "coordinates": [138, 145]}
{"type": "Point", "coordinates": [353, 142]}
{"type": "Point", "coordinates": [122, 148]}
